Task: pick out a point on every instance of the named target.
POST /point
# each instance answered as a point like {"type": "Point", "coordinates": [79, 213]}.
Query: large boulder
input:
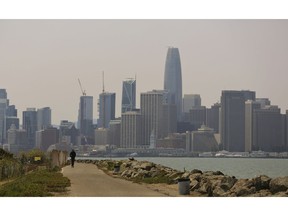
{"type": "Point", "coordinates": [146, 166]}
{"type": "Point", "coordinates": [261, 182]}
{"type": "Point", "coordinates": [279, 184]}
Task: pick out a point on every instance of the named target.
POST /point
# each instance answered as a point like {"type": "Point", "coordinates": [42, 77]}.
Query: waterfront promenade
{"type": "Point", "coordinates": [89, 181]}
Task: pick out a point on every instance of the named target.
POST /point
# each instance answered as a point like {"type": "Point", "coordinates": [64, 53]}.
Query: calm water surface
{"type": "Point", "coordinates": [238, 167]}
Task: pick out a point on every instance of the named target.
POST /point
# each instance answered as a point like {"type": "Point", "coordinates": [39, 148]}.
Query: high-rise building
{"type": "Point", "coordinates": [268, 129]}
{"type": "Point", "coordinates": [233, 119]}
{"type": "Point", "coordinates": [197, 117]}
{"type": "Point", "coordinates": [47, 137]}
{"type": "Point", "coordinates": [17, 139]}
{"type": "Point", "coordinates": [43, 118]}
{"type": "Point", "coordinates": [102, 136]}
{"type": "Point", "coordinates": [131, 129]}
{"type": "Point", "coordinates": [11, 117]}
{"type": "Point", "coordinates": [128, 95]}
{"type": "Point", "coordinates": [250, 107]}
{"type": "Point", "coordinates": [213, 116]}
{"type": "Point", "coordinates": [3, 107]}
{"type": "Point", "coordinates": [191, 101]}
{"type": "Point", "coordinates": [263, 101]}
{"type": "Point", "coordinates": [106, 109]}
{"type": "Point", "coordinates": [151, 106]}
{"type": "Point", "coordinates": [173, 78]}
{"type": "Point", "coordinates": [30, 125]}
{"type": "Point", "coordinates": [68, 132]}
{"type": "Point", "coordinates": [115, 132]}
{"type": "Point", "coordinates": [85, 116]}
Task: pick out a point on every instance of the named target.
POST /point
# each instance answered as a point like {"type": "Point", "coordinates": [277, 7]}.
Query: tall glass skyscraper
{"type": "Point", "coordinates": [128, 95]}
{"type": "Point", "coordinates": [43, 118]}
{"type": "Point", "coordinates": [30, 125]}
{"type": "Point", "coordinates": [173, 78]}
{"type": "Point", "coordinates": [106, 109]}
{"type": "Point", "coordinates": [85, 117]}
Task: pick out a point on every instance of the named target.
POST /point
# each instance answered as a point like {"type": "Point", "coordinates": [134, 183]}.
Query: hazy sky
{"type": "Point", "coordinates": [41, 60]}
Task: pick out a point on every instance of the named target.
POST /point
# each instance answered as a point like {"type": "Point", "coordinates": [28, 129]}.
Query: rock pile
{"type": "Point", "coordinates": [207, 184]}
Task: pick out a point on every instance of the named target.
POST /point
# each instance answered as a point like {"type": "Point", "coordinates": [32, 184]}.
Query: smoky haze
{"type": "Point", "coordinates": [41, 60]}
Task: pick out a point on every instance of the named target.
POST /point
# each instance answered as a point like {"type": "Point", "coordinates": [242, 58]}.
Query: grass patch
{"type": "Point", "coordinates": [39, 183]}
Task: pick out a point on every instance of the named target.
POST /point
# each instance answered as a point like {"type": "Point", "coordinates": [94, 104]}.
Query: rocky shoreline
{"type": "Point", "coordinates": [202, 184]}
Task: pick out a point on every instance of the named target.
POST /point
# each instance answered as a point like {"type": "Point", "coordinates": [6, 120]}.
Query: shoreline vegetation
{"type": "Point", "coordinates": [30, 175]}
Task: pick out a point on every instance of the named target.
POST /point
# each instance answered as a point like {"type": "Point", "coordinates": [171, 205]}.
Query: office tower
{"type": "Point", "coordinates": [173, 78]}
{"type": "Point", "coordinates": [213, 116]}
{"type": "Point", "coordinates": [268, 130]}
{"type": "Point", "coordinates": [128, 95]}
{"type": "Point", "coordinates": [131, 129]}
{"type": "Point", "coordinates": [11, 111]}
{"type": "Point", "coordinates": [250, 107]}
{"type": "Point", "coordinates": [197, 117]}
{"type": "Point", "coordinates": [17, 139]}
{"type": "Point", "coordinates": [249, 95]}
{"type": "Point", "coordinates": [68, 133]}
{"type": "Point", "coordinates": [115, 132]}
{"type": "Point", "coordinates": [47, 137]}
{"type": "Point", "coordinates": [85, 116]}
{"type": "Point", "coordinates": [106, 109]}
{"type": "Point", "coordinates": [30, 125]}
{"type": "Point", "coordinates": [151, 106]}
{"type": "Point", "coordinates": [191, 101]}
{"type": "Point", "coordinates": [43, 118]}
{"type": "Point", "coordinates": [3, 107]}
{"type": "Point", "coordinates": [233, 119]}
{"type": "Point", "coordinates": [11, 117]}
{"type": "Point", "coordinates": [263, 101]}
{"type": "Point", "coordinates": [169, 119]}
{"type": "Point", "coordinates": [102, 136]}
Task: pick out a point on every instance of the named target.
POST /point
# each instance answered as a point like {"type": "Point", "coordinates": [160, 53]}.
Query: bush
{"type": "Point", "coordinates": [40, 183]}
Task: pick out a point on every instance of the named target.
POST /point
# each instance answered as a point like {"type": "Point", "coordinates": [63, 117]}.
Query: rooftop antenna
{"type": "Point", "coordinates": [103, 102]}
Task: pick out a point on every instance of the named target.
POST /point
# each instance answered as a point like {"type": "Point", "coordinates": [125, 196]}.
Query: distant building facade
{"type": "Point", "coordinates": [115, 132]}
{"type": "Point", "coordinates": [68, 133]}
{"type": "Point", "coordinates": [128, 95]}
{"type": "Point", "coordinates": [30, 125]}
{"type": "Point", "coordinates": [268, 130]}
{"type": "Point", "coordinates": [191, 101]}
{"type": "Point", "coordinates": [233, 119]}
{"type": "Point", "coordinates": [131, 129]}
{"type": "Point", "coordinates": [202, 140]}
{"type": "Point", "coordinates": [197, 116]}
{"type": "Point", "coordinates": [213, 117]}
{"type": "Point", "coordinates": [173, 78]}
{"type": "Point", "coordinates": [85, 116]}
{"type": "Point", "coordinates": [102, 136]}
{"type": "Point", "coordinates": [47, 137]}
{"type": "Point", "coordinates": [106, 109]}
{"type": "Point", "coordinates": [151, 106]}
{"type": "Point", "coordinates": [43, 118]}
{"type": "Point", "coordinates": [17, 139]}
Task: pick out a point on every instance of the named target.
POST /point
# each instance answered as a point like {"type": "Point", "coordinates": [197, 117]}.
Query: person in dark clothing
{"type": "Point", "coordinates": [72, 155]}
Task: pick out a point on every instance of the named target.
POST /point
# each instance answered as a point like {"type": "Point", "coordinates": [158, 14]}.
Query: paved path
{"type": "Point", "coordinates": [89, 181]}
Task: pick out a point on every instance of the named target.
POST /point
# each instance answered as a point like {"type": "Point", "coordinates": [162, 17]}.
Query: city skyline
{"type": "Point", "coordinates": [41, 68]}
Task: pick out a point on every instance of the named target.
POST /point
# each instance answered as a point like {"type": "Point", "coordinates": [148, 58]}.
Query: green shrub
{"type": "Point", "coordinates": [39, 183]}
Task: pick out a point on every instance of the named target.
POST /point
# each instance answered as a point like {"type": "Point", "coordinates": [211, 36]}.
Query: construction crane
{"type": "Point", "coordinates": [83, 91]}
